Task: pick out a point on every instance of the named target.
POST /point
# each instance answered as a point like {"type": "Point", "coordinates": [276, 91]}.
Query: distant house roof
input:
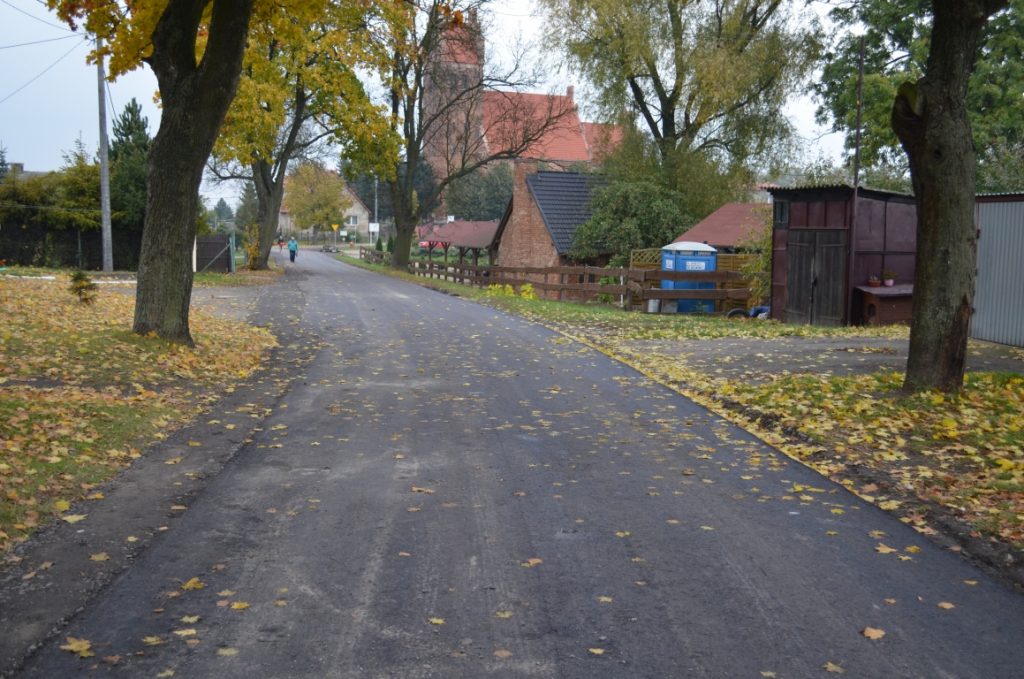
{"type": "Point", "coordinates": [727, 226]}
{"type": "Point", "coordinates": [461, 234]}
{"type": "Point", "coordinates": [563, 199]}
{"type": "Point", "coordinates": [602, 139]}
{"type": "Point", "coordinates": [506, 114]}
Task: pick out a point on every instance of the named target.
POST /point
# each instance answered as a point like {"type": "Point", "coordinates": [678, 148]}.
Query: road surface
{"type": "Point", "coordinates": [443, 490]}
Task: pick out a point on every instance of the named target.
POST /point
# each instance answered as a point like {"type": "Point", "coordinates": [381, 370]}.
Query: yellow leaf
{"type": "Point", "coordinates": [190, 632]}
{"type": "Point", "coordinates": [95, 496]}
{"type": "Point", "coordinates": [194, 444]}
{"type": "Point", "coordinates": [74, 518]}
{"type": "Point", "coordinates": [280, 603]}
{"type": "Point", "coordinates": [166, 673]}
{"type": "Point", "coordinates": [226, 592]}
{"type": "Point", "coordinates": [913, 549]}
{"type": "Point", "coordinates": [972, 583]}
{"type": "Point", "coordinates": [153, 641]}
{"type": "Point", "coordinates": [596, 651]}
{"type": "Point", "coordinates": [884, 549]}
{"type": "Point", "coordinates": [62, 505]}
{"type": "Point", "coordinates": [946, 605]}
{"type": "Point", "coordinates": [889, 505]}
{"type": "Point", "coordinates": [504, 615]}
{"type": "Point", "coordinates": [100, 556]}
{"type": "Point", "coordinates": [833, 668]}
{"type": "Point", "coordinates": [890, 601]}
{"type": "Point", "coordinates": [227, 652]}
{"type": "Point", "coordinates": [425, 491]}
{"type": "Point", "coordinates": [622, 533]}
{"type": "Point", "coordinates": [190, 619]}
{"type": "Point", "coordinates": [605, 599]}
{"type": "Point", "coordinates": [436, 621]}
{"type": "Point", "coordinates": [173, 460]}
{"type": "Point", "coordinates": [531, 562]}
{"type": "Point", "coordinates": [502, 653]}
{"type": "Point", "coordinates": [192, 584]}
{"type": "Point", "coordinates": [873, 633]}
{"type": "Point", "coordinates": [80, 647]}
{"type": "Point", "coordinates": [837, 511]}
{"type": "Point", "coordinates": [239, 605]}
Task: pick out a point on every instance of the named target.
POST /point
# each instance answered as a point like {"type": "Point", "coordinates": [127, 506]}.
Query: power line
{"type": "Point", "coordinates": [32, 16]}
{"type": "Point", "coordinates": [38, 42]}
{"type": "Point", "coordinates": [43, 72]}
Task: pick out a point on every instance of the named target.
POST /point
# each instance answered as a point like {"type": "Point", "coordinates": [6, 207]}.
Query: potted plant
{"type": "Point", "coordinates": [889, 278]}
{"type": "Point", "coordinates": [873, 281]}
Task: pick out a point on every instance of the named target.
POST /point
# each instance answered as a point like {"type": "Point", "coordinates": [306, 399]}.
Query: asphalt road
{"type": "Point", "coordinates": [441, 490]}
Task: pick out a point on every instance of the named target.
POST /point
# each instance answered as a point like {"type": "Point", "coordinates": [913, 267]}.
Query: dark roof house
{"type": "Point", "coordinates": [546, 209]}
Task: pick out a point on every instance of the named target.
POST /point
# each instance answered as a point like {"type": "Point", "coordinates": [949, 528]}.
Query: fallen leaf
{"type": "Point", "coordinates": [280, 603]}
{"type": "Point", "coordinates": [884, 549]}
{"type": "Point", "coordinates": [190, 619]}
{"type": "Point", "coordinates": [945, 605]}
{"type": "Point", "coordinates": [913, 549]}
{"type": "Point", "coordinates": [833, 668]}
{"type": "Point", "coordinates": [173, 460]}
{"type": "Point", "coordinates": [227, 652]}
{"type": "Point", "coordinates": [226, 592]}
{"type": "Point", "coordinates": [425, 491]}
{"type": "Point", "coordinates": [74, 518]}
{"type": "Point", "coordinates": [890, 601]}
{"type": "Point", "coordinates": [596, 651]}
{"type": "Point", "coordinates": [99, 556]}
{"type": "Point", "coordinates": [153, 641]}
{"type": "Point", "coordinates": [502, 653]}
{"type": "Point", "coordinates": [531, 562]}
{"type": "Point", "coordinates": [80, 647]}
{"type": "Point", "coordinates": [62, 505]}
{"type": "Point", "coordinates": [192, 584]}
{"type": "Point", "coordinates": [239, 605]}
{"type": "Point", "coordinates": [166, 673]}
{"type": "Point", "coordinates": [504, 615]}
{"type": "Point", "coordinates": [436, 621]}
{"type": "Point", "coordinates": [972, 583]}
{"type": "Point", "coordinates": [622, 533]}
{"type": "Point", "coordinates": [873, 633]}
{"type": "Point", "coordinates": [189, 632]}
{"type": "Point", "coordinates": [605, 599]}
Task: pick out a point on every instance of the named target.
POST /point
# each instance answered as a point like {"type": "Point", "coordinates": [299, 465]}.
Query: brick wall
{"type": "Point", "coordinates": [526, 240]}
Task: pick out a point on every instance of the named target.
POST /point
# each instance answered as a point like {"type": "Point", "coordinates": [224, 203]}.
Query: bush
{"type": "Point", "coordinates": [83, 287]}
{"type": "Point", "coordinates": [391, 244]}
{"type": "Point", "coordinates": [378, 246]}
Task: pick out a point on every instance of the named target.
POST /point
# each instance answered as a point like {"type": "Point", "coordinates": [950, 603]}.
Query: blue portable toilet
{"type": "Point", "coordinates": [689, 256]}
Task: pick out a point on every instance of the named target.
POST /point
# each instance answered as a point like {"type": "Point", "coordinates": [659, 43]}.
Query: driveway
{"type": "Point", "coordinates": [436, 489]}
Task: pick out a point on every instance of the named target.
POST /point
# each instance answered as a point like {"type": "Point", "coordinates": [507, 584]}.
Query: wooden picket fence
{"type": "Point", "coordinates": [628, 287]}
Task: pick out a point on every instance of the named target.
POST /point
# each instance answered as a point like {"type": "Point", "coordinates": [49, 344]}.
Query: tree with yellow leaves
{"type": "Point", "coordinates": [300, 94]}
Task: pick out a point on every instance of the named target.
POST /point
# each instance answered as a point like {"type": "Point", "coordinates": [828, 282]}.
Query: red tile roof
{"type": "Point", "coordinates": [602, 138]}
{"type": "Point", "coordinates": [508, 114]}
{"type": "Point", "coordinates": [460, 234]}
{"type": "Point", "coordinates": [728, 226]}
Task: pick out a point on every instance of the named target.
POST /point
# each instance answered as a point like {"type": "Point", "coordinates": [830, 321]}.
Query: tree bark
{"type": "Point", "coordinates": [930, 119]}
{"type": "Point", "coordinates": [195, 99]}
{"type": "Point", "coordinates": [269, 195]}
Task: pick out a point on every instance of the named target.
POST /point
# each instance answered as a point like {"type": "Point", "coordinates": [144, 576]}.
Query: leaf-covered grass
{"type": "Point", "coordinates": [964, 453]}
{"type": "Point", "coordinates": [80, 394]}
{"type": "Point", "coordinates": [209, 279]}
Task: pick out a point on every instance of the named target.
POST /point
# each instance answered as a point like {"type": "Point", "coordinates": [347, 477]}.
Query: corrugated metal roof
{"type": "Point", "coordinates": [564, 202]}
{"type": "Point", "coordinates": [833, 186]}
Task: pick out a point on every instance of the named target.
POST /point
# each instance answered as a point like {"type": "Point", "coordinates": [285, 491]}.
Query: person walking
{"type": "Point", "coordinates": [293, 248]}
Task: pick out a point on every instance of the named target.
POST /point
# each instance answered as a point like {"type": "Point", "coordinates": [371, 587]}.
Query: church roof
{"type": "Point", "coordinates": [508, 114]}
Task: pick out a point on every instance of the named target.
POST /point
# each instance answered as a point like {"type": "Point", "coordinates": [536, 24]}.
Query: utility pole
{"type": "Point", "coordinates": [108, 242]}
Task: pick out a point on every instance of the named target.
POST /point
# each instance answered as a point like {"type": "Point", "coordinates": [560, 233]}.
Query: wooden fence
{"type": "Point", "coordinates": [629, 287]}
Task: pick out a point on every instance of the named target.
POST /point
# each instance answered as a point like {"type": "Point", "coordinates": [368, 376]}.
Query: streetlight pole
{"type": "Point", "coordinates": [108, 242]}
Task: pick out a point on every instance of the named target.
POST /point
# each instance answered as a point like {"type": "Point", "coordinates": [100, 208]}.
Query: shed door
{"type": "Point", "coordinates": [817, 273]}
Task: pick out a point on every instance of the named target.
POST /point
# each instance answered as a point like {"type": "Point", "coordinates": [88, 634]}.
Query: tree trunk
{"type": "Point", "coordinates": [269, 194]}
{"type": "Point", "coordinates": [403, 243]}
{"type": "Point", "coordinates": [930, 119]}
{"type": "Point", "coordinates": [195, 99]}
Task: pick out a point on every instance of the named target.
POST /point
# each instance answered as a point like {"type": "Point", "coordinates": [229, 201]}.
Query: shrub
{"type": "Point", "coordinates": [83, 287]}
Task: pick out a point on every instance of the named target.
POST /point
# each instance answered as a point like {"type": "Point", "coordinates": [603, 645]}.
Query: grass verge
{"type": "Point", "coordinates": [81, 395]}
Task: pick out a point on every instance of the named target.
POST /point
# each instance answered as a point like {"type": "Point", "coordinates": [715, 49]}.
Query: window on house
{"type": "Point", "coordinates": [352, 220]}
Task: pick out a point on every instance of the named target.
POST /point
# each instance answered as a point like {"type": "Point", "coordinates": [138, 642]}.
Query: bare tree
{"type": "Point", "coordinates": [452, 110]}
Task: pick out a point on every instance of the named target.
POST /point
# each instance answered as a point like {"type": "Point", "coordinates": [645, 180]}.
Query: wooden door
{"type": "Point", "coordinates": [817, 276]}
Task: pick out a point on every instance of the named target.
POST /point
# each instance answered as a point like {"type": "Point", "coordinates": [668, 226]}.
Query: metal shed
{"type": "Point", "coordinates": [826, 243]}
{"type": "Point", "coordinates": [999, 290]}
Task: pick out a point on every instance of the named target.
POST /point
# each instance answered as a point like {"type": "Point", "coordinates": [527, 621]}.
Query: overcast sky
{"type": "Point", "coordinates": [48, 94]}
